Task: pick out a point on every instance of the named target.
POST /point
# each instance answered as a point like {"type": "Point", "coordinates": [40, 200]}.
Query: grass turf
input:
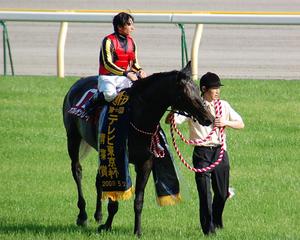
{"type": "Point", "coordinates": [38, 195]}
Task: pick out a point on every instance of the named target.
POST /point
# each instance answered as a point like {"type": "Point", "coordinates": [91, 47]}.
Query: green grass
{"type": "Point", "coordinates": [38, 196]}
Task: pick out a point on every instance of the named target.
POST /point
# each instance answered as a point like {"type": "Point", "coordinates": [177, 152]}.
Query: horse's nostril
{"type": "Point", "coordinates": [207, 122]}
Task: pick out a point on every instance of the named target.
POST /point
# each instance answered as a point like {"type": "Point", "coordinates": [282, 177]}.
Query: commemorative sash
{"type": "Point", "coordinates": [113, 134]}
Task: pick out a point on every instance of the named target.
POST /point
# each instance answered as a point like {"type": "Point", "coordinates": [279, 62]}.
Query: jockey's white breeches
{"type": "Point", "coordinates": [112, 85]}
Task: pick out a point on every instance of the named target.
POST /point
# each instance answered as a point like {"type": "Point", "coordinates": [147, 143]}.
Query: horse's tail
{"type": "Point", "coordinates": [84, 149]}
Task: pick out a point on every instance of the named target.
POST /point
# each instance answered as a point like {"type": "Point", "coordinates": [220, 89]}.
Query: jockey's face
{"type": "Point", "coordinates": [212, 94]}
{"type": "Point", "coordinates": [127, 29]}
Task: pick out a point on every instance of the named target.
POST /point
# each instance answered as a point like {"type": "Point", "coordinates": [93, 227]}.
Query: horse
{"type": "Point", "coordinates": [149, 99]}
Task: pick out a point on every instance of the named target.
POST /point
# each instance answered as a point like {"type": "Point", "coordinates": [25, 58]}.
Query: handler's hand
{"type": "Point", "coordinates": [220, 122]}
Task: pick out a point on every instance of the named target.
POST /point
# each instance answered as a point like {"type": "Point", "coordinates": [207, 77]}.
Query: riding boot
{"type": "Point", "coordinates": [95, 101]}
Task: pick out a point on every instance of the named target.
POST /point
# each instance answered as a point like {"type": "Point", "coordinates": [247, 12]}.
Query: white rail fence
{"type": "Point", "coordinates": [197, 18]}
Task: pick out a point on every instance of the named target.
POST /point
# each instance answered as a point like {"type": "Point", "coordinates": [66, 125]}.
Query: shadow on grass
{"type": "Point", "coordinates": [39, 228]}
{"type": "Point", "coordinates": [50, 230]}
{"type": "Point", "coordinates": [125, 231]}
{"type": "Point", "coordinates": [69, 229]}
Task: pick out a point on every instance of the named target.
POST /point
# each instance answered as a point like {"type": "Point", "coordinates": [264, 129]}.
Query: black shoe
{"type": "Point", "coordinates": [210, 232]}
{"type": "Point", "coordinates": [218, 226]}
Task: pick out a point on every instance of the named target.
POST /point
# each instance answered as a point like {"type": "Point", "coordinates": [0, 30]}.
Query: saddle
{"type": "Point", "coordinates": [80, 110]}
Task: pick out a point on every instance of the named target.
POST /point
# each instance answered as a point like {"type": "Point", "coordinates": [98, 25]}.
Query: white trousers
{"type": "Point", "coordinates": [112, 85]}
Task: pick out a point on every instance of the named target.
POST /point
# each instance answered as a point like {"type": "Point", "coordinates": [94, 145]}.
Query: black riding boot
{"type": "Point", "coordinates": [95, 101]}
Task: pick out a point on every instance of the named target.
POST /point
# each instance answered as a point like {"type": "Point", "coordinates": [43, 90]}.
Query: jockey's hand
{"type": "Point", "coordinates": [168, 118]}
{"type": "Point", "coordinates": [142, 73]}
{"type": "Point", "coordinates": [132, 76]}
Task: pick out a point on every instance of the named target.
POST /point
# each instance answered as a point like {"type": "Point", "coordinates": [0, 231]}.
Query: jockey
{"type": "Point", "coordinates": [118, 63]}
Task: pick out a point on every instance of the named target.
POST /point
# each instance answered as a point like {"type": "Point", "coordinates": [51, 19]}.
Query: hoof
{"type": "Point", "coordinates": [81, 223]}
{"type": "Point", "coordinates": [138, 234]}
{"type": "Point", "coordinates": [98, 218]}
{"type": "Point", "coordinates": [103, 227]}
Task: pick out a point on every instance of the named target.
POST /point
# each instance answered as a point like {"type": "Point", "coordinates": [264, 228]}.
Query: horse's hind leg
{"type": "Point", "coordinates": [98, 212]}
{"type": "Point", "coordinates": [112, 208]}
{"type": "Point", "coordinates": [73, 149]}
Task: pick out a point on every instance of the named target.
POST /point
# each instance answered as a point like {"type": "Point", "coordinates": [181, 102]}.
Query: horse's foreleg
{"type": "Point", "coordinates": [142, 174]}
{"type": "Point", "coordinates": [73, 149]}
{"type": "Point", "coordinates": [112, 208]}
{"type": "Point", "coordinates": [98, 212]}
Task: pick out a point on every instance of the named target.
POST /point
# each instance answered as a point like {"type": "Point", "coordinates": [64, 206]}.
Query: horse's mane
{"type": "Point", "coordinates": [142, 84]}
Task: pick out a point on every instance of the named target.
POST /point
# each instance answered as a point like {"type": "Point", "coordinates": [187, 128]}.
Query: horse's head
{"type": "Point", "coordinates": [188, 97]}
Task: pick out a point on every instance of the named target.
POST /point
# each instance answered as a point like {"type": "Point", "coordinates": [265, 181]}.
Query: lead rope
{"type": "Point", "coordinates": [218, 108]}
{"type": "Point", "coordinates": [155, 146]}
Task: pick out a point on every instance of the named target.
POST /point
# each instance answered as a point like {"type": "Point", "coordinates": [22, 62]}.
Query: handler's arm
{"type": "Point", "coordinates": [231, 119]}
{"type": "Point", "coordinates": [236, 124]}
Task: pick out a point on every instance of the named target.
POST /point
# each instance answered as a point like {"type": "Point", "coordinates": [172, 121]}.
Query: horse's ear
{"type": "Point", "coordinates": [187, 69]}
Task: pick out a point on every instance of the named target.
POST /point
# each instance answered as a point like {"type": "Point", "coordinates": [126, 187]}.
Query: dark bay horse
{"type": "Point", "coordinates": [149, 99]}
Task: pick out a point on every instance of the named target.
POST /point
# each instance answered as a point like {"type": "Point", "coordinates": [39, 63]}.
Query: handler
{"type": "Point", "coordinates": [211, 210]}
{"type": "Point", "coordinates": [118, 62]}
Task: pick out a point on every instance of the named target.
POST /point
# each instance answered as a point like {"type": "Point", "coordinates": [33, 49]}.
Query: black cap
{"type": "Point", "coordinates": [210, 80]}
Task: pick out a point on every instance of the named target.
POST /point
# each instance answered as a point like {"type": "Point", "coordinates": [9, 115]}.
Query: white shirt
{"type": "Point", "coordinates": [198, 131]}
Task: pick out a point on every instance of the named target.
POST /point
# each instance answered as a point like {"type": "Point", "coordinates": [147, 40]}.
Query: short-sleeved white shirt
{"type": "Point", "coordinates": [198, 131]}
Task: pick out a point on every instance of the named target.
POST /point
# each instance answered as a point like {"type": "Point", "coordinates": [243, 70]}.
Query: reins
{"type": "Point", "coordinates": [155, 146]}
{"type": "Point", "coordinates": [218, 108]}
{"type": "Point", "coordinates": [142, 131]}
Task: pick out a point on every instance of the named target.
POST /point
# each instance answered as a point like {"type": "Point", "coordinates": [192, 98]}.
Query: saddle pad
{"type": "Point", "coordinates": [78, 110]}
